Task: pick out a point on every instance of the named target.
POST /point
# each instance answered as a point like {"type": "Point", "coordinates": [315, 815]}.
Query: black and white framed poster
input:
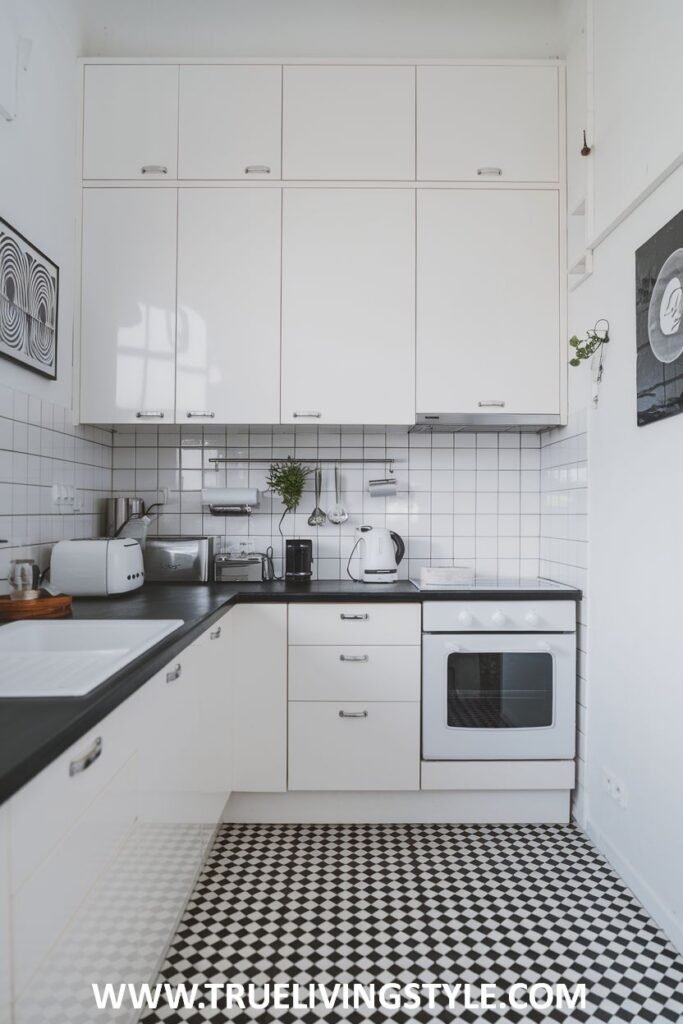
{"type": "Point", "coordinates": [29, 298]}
{"type": "Point", "coordinates": [659, 324]}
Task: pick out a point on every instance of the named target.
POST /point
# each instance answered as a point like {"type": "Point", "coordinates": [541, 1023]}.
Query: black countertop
{"type": "Point", "coordinates": [33, 732]}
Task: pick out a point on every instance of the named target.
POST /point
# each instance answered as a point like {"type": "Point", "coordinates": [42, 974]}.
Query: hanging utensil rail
{"type": "Point", "coordinates": [313, 460]}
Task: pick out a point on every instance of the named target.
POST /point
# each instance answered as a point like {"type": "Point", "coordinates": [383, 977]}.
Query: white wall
{"type": "Point", "coordinates": [322, 28]}
{"type": "Point", "coordinates": [38, 165]}
{"type": "Point", "coordinates": [636, 496]}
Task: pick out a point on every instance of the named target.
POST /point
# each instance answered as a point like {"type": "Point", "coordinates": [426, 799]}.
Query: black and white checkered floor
{"type": "Point", "coordinates": [499, 904]}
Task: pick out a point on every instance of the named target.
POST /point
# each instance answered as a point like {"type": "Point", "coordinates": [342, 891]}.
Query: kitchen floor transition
{"type": "Point", "coordinates": [421, 903]}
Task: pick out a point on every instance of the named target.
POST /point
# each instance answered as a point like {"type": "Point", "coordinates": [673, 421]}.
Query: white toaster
{"type": "Point", "coordinates": [96, 568]}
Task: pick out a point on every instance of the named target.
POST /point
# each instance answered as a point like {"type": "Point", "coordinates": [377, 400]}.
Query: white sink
{"type": "Point", "coordinates": [70, 658]}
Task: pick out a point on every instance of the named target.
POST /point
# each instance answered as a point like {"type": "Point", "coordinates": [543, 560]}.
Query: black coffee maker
{"type": "Point", "coordinates": [298, 560]}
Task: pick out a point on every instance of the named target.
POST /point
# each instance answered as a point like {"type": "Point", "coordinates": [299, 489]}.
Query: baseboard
{"type": "Point", "coordinates": [466, 807]}
{"type": "Point", "coordinates": [641, 889]}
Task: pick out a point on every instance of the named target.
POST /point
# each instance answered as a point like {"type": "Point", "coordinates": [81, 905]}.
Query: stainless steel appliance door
{"type": "Point", "coordinates": [498, 696]}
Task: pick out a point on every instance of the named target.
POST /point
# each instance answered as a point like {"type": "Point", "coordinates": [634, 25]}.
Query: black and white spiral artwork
{"type": "Point", "coordinates": [29, 296]}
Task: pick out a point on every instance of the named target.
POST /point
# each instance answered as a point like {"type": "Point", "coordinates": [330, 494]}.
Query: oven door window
{"type": "Point", "coordinates": [499, 691]}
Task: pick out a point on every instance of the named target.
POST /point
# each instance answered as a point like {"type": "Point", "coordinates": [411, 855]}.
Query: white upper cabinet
{"type": "Point", "coordinates": [348, 345]}
{"type": "Point", "coordinates": [487, 123]}
{"type": "Point", "coordinates": [230, 121]}
{"type": "Point", "coordinates": [128, 305]}
{"type": "Point", "coordinates": [488, 310]}
{"type": "Point", "coordinates": [349, 123]}
{"type": "Point", "coordinates": [228, 363]}
{"type": "Point", "coordinates": [130, 121]}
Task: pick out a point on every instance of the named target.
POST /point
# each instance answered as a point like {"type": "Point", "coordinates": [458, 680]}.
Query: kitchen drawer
{"type": "Point", "coordinates": [354, 673]}
{"type": "Point", "coordinates": [354, 623]}
{"type": "Point", "coordinates": [44, 810]}
{"type": "Point", "coordinates": [376, 749]}
{"type": "Point", "coordinates": [43, 906]}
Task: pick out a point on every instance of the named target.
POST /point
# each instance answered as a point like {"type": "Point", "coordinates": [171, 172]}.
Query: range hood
{"type": "Point", "coordinates": [448, 422]}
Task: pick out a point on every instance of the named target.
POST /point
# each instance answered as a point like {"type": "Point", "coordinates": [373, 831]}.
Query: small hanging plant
{"type": "Point", "coordinates": [287, 479]}
{"type": "Point", "coordinates": [585, 348]}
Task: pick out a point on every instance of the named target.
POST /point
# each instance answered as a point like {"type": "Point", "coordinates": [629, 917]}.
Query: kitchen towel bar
{"type": "Point", "coordinates": [389, 462]}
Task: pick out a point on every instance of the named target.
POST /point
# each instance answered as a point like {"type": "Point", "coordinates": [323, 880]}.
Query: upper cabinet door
{"type": "Point", "coordinates": [348, 346]}
{"type": "Point", "coordinates": [128, 315]}
{"type": "Point", "coordinates": [130, 121]}
{"type": "Point", "coordinates": [487, 124]}
{"type": "Point", "coordinates": [230, 122]}
{"type": "Point", "coordinates": [349, 123]}
{"type": "Point", "coordinates": [228, 367]}
{"type": "Point", "coordinates": [488, 302]}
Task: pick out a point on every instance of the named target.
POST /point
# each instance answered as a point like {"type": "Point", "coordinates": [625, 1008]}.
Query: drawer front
{"type": "Point", "coordinates": [361, 623]}
{"type": "Point", "coordinates": [354, 746]}
{"type": "Point", "coordinates": [354, 673]}
{"type": "Point", "coordinates": [43, 906]}
{"type": "Point", "coordinates": [43, 811]}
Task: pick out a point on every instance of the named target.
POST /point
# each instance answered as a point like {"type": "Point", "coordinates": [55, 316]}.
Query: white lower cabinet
{"type": "Point", "coordinates": [354, 673]}
{"type": "Point", "coordinates": [354, 745]}
{"type": "Point", "coordinates": [105, 844]}
{"type": "Point", "coordinates": [258, 645]}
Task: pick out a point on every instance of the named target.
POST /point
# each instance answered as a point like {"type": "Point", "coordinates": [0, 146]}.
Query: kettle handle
{"type": "Point", "coordinates": [399, 545]}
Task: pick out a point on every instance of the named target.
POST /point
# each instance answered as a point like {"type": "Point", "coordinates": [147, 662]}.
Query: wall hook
{"type": "Point", "coordinates": [585, 149]}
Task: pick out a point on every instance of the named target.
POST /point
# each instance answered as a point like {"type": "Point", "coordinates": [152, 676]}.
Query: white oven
{"type": "Point", "coordinates": [498, 680]}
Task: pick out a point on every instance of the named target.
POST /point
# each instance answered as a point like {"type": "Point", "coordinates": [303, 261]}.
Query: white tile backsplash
{"type": "Point", "coordinates": [564, 545]}
{"type": "Point", "coordinates": [38, 448]}
{"type": "Point", "coordinates": [452, 490]}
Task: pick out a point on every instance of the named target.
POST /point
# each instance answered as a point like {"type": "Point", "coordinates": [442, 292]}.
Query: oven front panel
{"type": "Point", "coordinates": [489, 697]}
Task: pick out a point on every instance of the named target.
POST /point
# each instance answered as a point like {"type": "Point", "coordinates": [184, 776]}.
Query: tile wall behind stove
{"type": "Point", "coordinates": [463, 498]}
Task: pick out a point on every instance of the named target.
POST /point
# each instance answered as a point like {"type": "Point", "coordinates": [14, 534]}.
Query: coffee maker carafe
{"type": "Point", "coordinates": [298, 560]}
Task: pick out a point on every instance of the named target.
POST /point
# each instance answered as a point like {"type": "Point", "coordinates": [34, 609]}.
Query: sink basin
{"type": "Point", "coordinates": [70, 658]}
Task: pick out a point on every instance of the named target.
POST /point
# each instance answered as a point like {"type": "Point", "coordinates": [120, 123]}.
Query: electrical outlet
{"type": "Point", "coordinates": [614, 787]}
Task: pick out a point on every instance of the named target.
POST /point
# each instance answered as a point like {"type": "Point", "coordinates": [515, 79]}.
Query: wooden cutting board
{"type": "Point", "coordinates": [46, 607]}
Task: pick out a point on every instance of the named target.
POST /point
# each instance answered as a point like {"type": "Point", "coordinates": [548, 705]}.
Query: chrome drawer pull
{"type": "Point", "coordinates": [306, 415]}
{"type": "Point", "coordinates": [491, 403]}
{"type": "Point", "coordinates": [174, 674]}
{"type": "Point", "coordinates": [82, 763]}
{"type": "Point", "coordinates": [257, 169]}
{"type": "Point", "coordinates": [216, 633]}
{"type": "Point", "coordinates": [154, 169]}
{"type": "Point", "coordinates": [353, 714]}
{"type": "Point", "coordinates": [354, 657]}
{"type": "Point", "coordinates": [354, 618]}
{"type": "Point", "coordinates": [149, 415]}
{"type": "Point", "coordinates": [495, 171]}
{"type": "Point", "coordinates": [207, 415]}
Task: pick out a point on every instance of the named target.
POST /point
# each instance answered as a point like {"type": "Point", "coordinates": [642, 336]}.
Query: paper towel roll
{"type": "Point", "coordinates": [230, 496]}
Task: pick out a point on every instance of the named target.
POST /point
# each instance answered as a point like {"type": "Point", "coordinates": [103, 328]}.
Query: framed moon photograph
{"type": "Point", "coordinates": [29, 300]}
{"type": "Point", "coordinates": [659, 324]}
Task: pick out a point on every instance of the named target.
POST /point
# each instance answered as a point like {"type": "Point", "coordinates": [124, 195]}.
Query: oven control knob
{"type": "Point", "coordinates": [464, 619]}
{"type": "Point", "coordinates": [531, 619]}
{"type": "Point", "coordinates": [498, 619]}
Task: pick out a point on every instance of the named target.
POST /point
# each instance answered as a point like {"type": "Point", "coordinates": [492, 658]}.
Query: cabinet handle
{"type": "Point", "coordinates": [144, 415]}
{"type": "Point", "coordinates": [257, 169]}
{"type": "Point", "coordinates": [306, 415]}
{"type": "Point", "coordinates": [206, 415]}
{"type": "Point", "coordinates": [491, 403]}
{"type": "Point", "coordinates": [216, 633]}
{"type": "Point", "coordinates": [154, 169]}
{"type": "Point", "coordinates": [353, 714]}
{"type": "Point", "coordinates": [82, 763]}
{"type": "Point", "coordinates": [174, 674]}
{"type": "Point", "coordinates": [494, 171]}
{"type": "Point", "coordinates": [354, 657]}
{"type": "Point", "coordinates": [354, 618]}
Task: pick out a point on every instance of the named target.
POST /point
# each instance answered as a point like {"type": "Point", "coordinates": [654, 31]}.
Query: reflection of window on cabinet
{"type": "Point", "coordinates": [128, 305]}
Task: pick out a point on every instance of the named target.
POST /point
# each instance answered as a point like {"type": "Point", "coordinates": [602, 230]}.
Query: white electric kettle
{"type": "Point", "coordinates": [380, 552]}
